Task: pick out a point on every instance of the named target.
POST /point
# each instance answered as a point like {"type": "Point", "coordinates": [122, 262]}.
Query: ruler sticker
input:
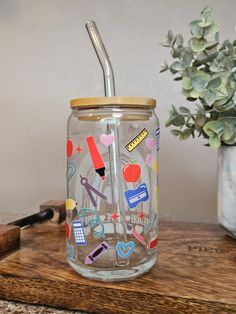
{"type": "Point", "coordinates": [137, 140]}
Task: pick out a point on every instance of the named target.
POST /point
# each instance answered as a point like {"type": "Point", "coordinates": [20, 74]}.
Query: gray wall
{"type": "Point", "coordinates": [46, 59]}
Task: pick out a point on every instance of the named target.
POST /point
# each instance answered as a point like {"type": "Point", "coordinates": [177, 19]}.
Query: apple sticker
{"type": "Point", "coordinates": [131, 172]}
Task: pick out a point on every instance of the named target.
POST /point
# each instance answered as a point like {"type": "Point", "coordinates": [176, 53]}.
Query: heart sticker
{"type": "Point", "coordinates": [139, 229]}
{"type": "Point", "coordinates": [124, 250]}
{"type": "Point", "coordinates": [150, 142]}
{"type": "Point", "coordinates": [107, 139]}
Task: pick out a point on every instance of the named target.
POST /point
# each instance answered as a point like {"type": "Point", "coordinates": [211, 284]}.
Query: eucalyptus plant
{"type": "Point", "coordinates": [207, 70]}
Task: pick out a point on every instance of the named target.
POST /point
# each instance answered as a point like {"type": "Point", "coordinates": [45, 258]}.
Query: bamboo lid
{"type": "Point", "coordinates": [117, 101]}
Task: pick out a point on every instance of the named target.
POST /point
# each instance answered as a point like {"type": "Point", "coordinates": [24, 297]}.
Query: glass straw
{"type": "Point", "coordinates": [112, 128]}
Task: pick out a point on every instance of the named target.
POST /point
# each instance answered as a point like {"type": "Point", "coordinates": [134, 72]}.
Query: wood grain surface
{"type": "Point", "coordinates": [195, 273]}
{"type": "Point", "coordinates": [9, 238]}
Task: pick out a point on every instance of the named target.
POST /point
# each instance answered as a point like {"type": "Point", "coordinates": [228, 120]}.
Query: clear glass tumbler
{"type": "Point", "coordinates": [112, 187]}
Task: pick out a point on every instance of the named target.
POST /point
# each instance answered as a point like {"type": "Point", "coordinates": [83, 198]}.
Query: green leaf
{"type": "Point", "coordinates": [209, 96]}
{"type": "Point", "coordinates": [170, 36]}
{"type": "Point", "coordinates": [184, 110]}
{"type": "Point", "coordinates": [177, 66]}
{"type": "Point", "coordinates": [175, 132]}
{"type": "Point", "coordinates": [206, 17]}
{"type": "Point", "coordinates": [187, 85]}
{"type": "Point", "coordinates": [195, 94]}
{"type": "Point", "coordinates": [197, 44]}
{"type": "Point", "coordinates": [214, 142]}
{"type": "Point", "coordinates": [228, 132]}
{"type": "Point", "coordinates": [179, 40]}
{"type": "Point", "coordinates": [200, 80]}
{"type": "Point", "coordinates": [215, 82]}
{"type": "Point", "coordinates": [196, 30]}
{"type": "Point", "coordinates": [186, 58]}
{"type": "Point", "coordinates": [164, 68]}
{"type": "Point", "coordinates": [212, 128]}
{"type": "Point", "coordinates": [185, 134]}
{"type": "Point", "coordinates": [211, 29]}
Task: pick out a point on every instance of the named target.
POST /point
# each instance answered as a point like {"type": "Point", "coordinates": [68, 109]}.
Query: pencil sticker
{"type": "Point", "coordinates": [96, 157]}
{"type": "Point", "coordinates": [71, 169]}
{"type": "Point", "coordinates": [107, 139]}
{"type": "Point", "coordinates": [136, 234]}
{"type": "Point", "coordinates": [95, 254]}
{"type": "Point", "coordinates": [124, 250]}
{"type": "Point", "coordinates": [137, 140]}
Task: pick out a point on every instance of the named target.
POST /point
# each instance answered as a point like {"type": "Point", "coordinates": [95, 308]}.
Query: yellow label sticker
{"type": "Point", "coordinates": [136, 140]}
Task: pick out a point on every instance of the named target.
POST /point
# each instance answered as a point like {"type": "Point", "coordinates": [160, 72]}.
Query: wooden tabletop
{"type": "Point", "coordinates": [195, 273]}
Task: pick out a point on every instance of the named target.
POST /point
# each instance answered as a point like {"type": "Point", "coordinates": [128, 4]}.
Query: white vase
{"type": "Point", "coordinates": [227, 189]}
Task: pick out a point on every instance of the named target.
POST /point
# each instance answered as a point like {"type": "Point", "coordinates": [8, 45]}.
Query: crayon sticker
{"type": "Point", "coordinates": [93, 222]}
{"type": "Point", "coordinates": [107, 139]}
{"type": "Point", "coordinates": [96, 157]}
{"type": "Point", "coordinates": [136, 196]}
{"type": "Point", "coordinates": [70, 251]}
{"type": "Point", "coordinates": [71, 169]}
{"type": "Point", "coordinates": [131, 172]}
{"type": "Point", "coordinates": [70, 204]}
{"type": "Point", "coordinates": [150, 143]}
{"type": "Point", "coordinates": [136, 140]}
{"type": "Point", "coordinates": [95, 254]}
{"type": "Point", "coordinates": [79, 232]}
{"type": "Point", "coordinates": [124, 250]}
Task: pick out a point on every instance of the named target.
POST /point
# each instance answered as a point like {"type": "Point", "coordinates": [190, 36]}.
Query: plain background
{"type": "Point", "coordinates": [46, 59]}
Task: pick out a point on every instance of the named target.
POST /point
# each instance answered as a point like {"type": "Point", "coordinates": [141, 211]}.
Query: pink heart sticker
{"type": "Point", "coordinates": [107, 139]}
{"type": "Point", "coordinates": [150, 142]}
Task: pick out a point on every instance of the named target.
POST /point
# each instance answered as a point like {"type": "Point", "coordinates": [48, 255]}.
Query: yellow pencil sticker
{"type": "Point", "coordinates": [70, 204]}
{"type": "Point", "coordinates": [137, 140]}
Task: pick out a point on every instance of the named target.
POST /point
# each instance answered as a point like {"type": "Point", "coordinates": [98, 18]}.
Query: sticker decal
{"type": "Point", "coordinates": [68, 231]}
{"type": "Point", "coordinates": [134, 197]}
{"type": "Point", "coordinates": [148, 160]}
{"type": "Point", "coordinates": [131, 172]}
{"type": "Point", "coordinates": [94, 255]}
{"type": "Point", "coordinates": [97, 160]}
{"type": "Point", "coordinates": [155, 166]}
{"type": "Point", "coordinates": [114, 216]}
{"type": "Point", "coordinates": [70, 204]}
{"type": "Point", "coordinates": [71, 169]}
{"type": "Point", "coordinates": [124, 250]}
{"type": "Point", "coordinates": [141, 215]}
{"type": "Point", "coordinates": [136, 140]}
{"type": "Point", "coordinates": [69, 148]}
{"type": "Point", "coordinates": [153, 243]}
{"type": "Point", "coordinates": [150, 143]}
{"type": "Point", "coordinates": [157, 136]}
{"type": "Point", "coordinates": [70, 251]}
{"type": "Point", "coordinates": [79, 149]}
{"type": "Point", "coordinates": [89, 189]}
{"type": "Point", "coordinates": [79, 232]}
{"type": "Point", "coordinates": [107, 139]}
{"type": "Point", "coordinates": [136, 234]}
{"type": "Point", "coordinates": [93, 222]}
{"type": "Point", "coordinates": [151, 223]}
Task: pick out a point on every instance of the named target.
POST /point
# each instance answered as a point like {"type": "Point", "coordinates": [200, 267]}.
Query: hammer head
{"type": "Point", "coordinates": [59, 209]}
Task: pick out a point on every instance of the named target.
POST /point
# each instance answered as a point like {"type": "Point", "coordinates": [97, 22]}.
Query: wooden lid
{"type": "Point", "coordinates": [117, 101]}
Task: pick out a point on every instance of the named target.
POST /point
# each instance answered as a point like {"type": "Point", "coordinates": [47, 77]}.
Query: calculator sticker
{"type": "Point", "coordinates": [79, 232]}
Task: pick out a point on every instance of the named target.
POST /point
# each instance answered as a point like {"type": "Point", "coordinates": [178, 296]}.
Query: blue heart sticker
{"type": "Point", "coordinates": [124, 250]}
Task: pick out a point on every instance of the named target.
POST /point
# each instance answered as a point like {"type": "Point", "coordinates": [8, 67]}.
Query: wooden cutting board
{"type": "Point", "coordinates": [196, 273]}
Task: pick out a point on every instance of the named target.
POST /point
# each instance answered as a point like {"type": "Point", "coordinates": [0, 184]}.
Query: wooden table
{"type": "Point", "coordinates": [196, 273]}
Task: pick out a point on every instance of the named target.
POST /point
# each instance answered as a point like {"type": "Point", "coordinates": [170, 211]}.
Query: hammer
{"type": "Point", "coordinates": [53, 210]}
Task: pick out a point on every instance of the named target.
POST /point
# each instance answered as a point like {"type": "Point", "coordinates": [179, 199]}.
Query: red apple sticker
{"type": "Point", "coordinates": [131, 172]}
{"type": "Point", "coordinates": [69, 148]}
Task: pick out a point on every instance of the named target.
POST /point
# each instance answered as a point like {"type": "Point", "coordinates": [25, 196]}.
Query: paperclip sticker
{"type": "Point", "coordinates": [89, 189]}
{"type": "Point", "coordinates": [71, 169]}
{"type": "Point", "coordinates": [107, 139]}
{"type": "Point", "coordinates": [136, 140]}
{"type": "Point", "coordinates": [96, 157]}
{"type": "Point", "coordinates": [95, 254]}
{"type": "Point", "coordinates": [136, 196]}
{"type": "Point", "coordinates": [93, 222]}
{"type": "Point", "coordinates": [124, 250]}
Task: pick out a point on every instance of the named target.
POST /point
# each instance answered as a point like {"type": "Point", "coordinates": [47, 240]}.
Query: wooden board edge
{"type": "Point", "coordinates": [101, 300]}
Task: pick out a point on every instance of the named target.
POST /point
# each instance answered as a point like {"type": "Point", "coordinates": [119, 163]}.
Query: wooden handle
{"type": "Point", "coordinates": [9, 238]}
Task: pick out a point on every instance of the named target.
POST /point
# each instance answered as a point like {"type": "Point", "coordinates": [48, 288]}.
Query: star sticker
{"type": "Point", "coordinates": [141, 215]}
{"type": "Point", "coordinates": [114, 216]}
{"type": "Point", "coordinates": [79, 149]}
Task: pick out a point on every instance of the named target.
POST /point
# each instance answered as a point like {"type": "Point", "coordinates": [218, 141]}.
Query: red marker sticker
{"type": "Point", "coordinates": [69, 148]}
{"type": "Point", "coordinates": [67, 226]}
{"type": "Point", "coordinates": [96, 157]}
{"type": "Point", "coordinates": [153, 243]}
